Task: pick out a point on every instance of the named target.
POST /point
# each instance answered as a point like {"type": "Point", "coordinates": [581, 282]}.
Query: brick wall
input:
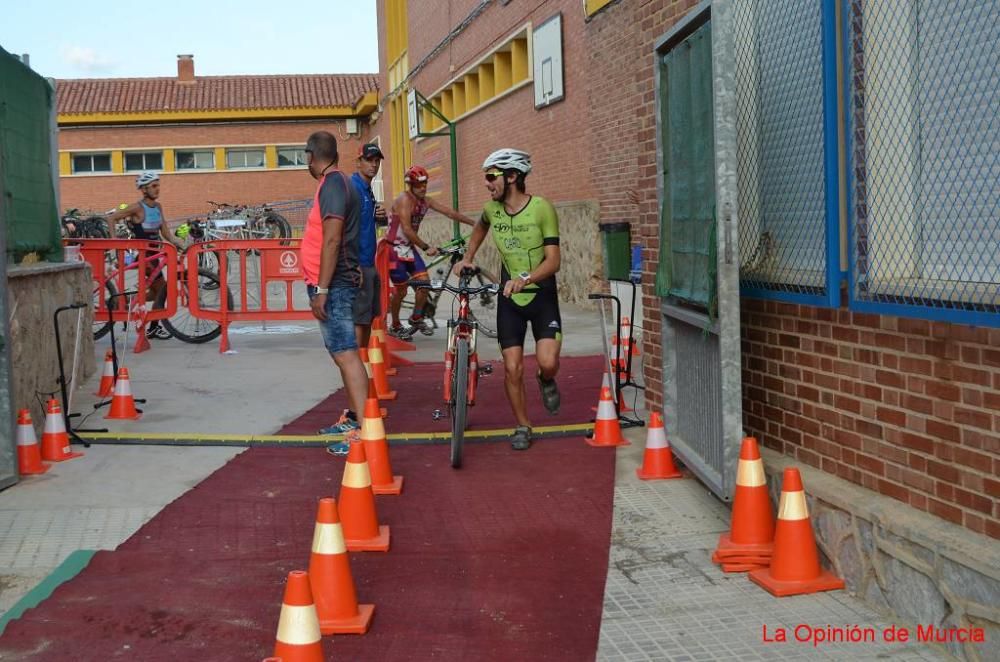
{"type": "Point", "coordinates": [185, 193]}
{"type": "Point", "coordinates": [904, 407]}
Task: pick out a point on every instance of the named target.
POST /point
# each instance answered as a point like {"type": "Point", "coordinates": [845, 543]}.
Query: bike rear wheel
{"type": "Point", "coordinates": [183, 325]}
{"type": "Point", "coordinates": [460, 397]}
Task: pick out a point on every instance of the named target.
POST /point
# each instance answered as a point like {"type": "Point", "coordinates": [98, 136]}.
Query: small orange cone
{"type": "Point", "coordinates": [377, 451]}
{"type": "Point", "coordinates": [29, 456]}
{"type": "Point", "coordinates": [330, 576]}
{"type": "Point", "coordinates": [372, 393]}
{"type": "Point", "coordinates": [378, 372]}
{"type": "Point", "coordinates": [657, 461]}
{"type": "Point", "coordinates": [107, 386]}
{"type": "Point", "coordinates": [624, 333]}
{"type": "Point", "coordinates": [607, 431]}
{"type": "Point", "coordinates": [357, 505]}
{"type": "Point", "coordinates": [122, 403]}
{"type": "Point", "coordinates": [751, 532]}
{"type": "Point", "coordinates": [795, 567]}
{"type": "Point", "coordinates": [55, 441]}
{"type": "Point", "coordinates": [606, 383]}
{"type": "Point", "coordinates": [298, 638]}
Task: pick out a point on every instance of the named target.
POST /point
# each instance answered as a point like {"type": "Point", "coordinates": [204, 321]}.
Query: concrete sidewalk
{"type": "Point", "coordinates": [664, 599]}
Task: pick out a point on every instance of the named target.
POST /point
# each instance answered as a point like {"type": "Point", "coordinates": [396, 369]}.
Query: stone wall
{"type": "Point", "coordinates": [34, 293]}
{"type": "Point", "coordinates": [905, 563]}
{"type": "Point", "coordinates": [582, 261]}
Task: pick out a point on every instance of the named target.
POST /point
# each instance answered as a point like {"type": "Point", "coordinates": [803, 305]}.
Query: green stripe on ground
{"type": "Point", "coordinates": [66, 571]}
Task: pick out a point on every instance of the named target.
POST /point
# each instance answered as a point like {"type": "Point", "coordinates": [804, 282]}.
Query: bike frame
{"type": "Point", "coordinates": [461, 327]}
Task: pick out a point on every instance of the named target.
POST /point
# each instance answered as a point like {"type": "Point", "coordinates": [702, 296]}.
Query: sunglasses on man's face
{"type": "Point", "coordinates": [493, 176]}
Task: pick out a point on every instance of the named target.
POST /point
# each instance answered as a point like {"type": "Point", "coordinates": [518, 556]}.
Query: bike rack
{"type": "Point", "coordinates": [625, 421]}
{"type": "Point", "coordinates": [74, 437]}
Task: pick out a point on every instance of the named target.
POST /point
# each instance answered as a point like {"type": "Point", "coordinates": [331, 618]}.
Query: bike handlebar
{"type": "Point", "coordinates": [492, 288]}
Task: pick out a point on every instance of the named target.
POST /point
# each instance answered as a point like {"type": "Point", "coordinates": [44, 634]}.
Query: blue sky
{"type": "Point", "coordinates": [115, 38]}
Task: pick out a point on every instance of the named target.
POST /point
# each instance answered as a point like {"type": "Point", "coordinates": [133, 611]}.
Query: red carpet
{"type": "Point", "coordinates": [504, 559]}
{"type": "Point", "coordinates": [420, 388]}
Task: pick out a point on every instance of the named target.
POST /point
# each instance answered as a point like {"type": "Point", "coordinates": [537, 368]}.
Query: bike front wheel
{"type": "Point", "coordinates": [460, 400]}
{"type": "Point", "coordinates": [188, 328]}
{"type": "Point", "coordinates": [483, 307]}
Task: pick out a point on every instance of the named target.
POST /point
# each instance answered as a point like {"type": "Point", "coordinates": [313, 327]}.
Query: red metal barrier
{"type": "Point", "coordinates": [121, 265]}
{"type": "Point", "coordinates": [248, 268]}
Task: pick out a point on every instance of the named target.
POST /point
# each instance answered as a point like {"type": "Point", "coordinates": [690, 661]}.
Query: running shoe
{"type": "Point", "coordinates": [521, 439]}
{"type": "Point", "coordinates": [344, 424]}
{"type": "Point", "coordinates": [158, 332]}
{"type": "Point", "coordinates": [402, 333]}
{"type": "Point", "coordinates": [342, 448]}
{"type": "Point", "coordinates": [421, 324]}
{"type": "Point", "coordinates": [550, 394]}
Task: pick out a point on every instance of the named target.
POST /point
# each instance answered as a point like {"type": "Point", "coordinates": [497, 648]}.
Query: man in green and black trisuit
{"type": "Point", "coordinates": [526, 231]}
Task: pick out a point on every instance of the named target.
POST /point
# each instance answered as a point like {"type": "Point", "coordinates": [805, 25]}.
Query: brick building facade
{"type": "Point", "coordinates": [244, 134]}
{"type": "Point", "coordinates": [905, 407]}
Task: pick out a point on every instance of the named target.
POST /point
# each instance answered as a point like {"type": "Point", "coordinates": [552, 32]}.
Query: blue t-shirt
{"type": "Point", "coordinates": [366, 230]}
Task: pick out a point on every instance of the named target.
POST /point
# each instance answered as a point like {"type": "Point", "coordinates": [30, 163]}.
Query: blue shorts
{"type": "Point", "coordinates": [402, 270]}
{"type": "Point", "coordinates": [338, 328]}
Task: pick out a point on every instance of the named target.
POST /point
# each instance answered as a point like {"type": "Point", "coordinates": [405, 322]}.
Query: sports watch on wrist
{"type": "Point", "coordinates": [322, 290]}
{"type": "Point", "coordinates": [525, 276]}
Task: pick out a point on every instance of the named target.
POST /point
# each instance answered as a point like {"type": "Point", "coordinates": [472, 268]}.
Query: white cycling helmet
{"type": "Point", "coordinates": [509, 159]}
{"type": "Point", "coordinates": [145, 178]}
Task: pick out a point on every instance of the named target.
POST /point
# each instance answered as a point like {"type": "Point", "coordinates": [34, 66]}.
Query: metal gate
{"type": "Point", "coordinates": [8, 459]}
{"type": "Point", "coordinates": [698, 276]}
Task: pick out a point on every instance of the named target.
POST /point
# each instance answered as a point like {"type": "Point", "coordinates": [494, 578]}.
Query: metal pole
{"type": "Point", "coordinates": [456, 229]}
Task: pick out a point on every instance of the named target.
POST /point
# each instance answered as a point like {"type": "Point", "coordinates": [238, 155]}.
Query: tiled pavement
{"type": "Point", "coordinates": [665, 600]}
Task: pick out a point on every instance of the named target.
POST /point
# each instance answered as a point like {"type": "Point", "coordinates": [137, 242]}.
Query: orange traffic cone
{"type": "Point", "coordinates": [377, 451]}
{"type": "Point", "coordinates": [55, 441]}
{"type": "Point", "coordinates": [123, 404]}
{"type": "Point", "coordinates": [794, 568]}
{"type": "Point", "coordinates": [330, 576]}
{"type": "Point", "coordinates": [372, 392]}
{"type": "Point", "coordinates": [357, 505]}
{"type": "Point", "coordinates": [751, 533]}
{"type": "Point", "coordinates": [298, 637]}
{"type": "Point", "coordinates": [607, 431]}
{"type": "Point", "coordinates": [657, 461]}
{"type": "Point", "coordinates": [107, 386]}
{"type": "Point", "coordinates": [606, 383]}
{"type": "Point", "coordinates": [624, 333]}
{"type": "Point", "coordinates": [29, 456]}
{"type": "Point", "coordinates": [378, 372]}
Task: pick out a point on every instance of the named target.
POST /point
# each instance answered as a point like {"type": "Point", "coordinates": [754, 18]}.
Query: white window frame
{"type": "Point", "coordinates": [144, 155]}
{"type": "Point", "coordinates": [196, 153]}
{"type": "Point", "coordinates": [283, 148]}
{"type": "Point", "coordinates": [75, 155]}
{"type": "Point", "coordinates": [243, 152]}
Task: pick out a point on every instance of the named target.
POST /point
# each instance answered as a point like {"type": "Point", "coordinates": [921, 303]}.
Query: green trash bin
{"type": "Point", "coordinates": [617, 252]}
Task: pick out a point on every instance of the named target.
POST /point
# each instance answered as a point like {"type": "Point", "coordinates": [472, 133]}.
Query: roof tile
{"type": "Point", "coordinates": [135, 95]}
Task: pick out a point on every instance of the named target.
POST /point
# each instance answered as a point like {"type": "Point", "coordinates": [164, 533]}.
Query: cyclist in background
{"type": "Point", "coordinates": [407, 214]}
{"type": "Point", "coordinates": [147, 222]}
{"type": "Point", "coordinates": [525, 229]}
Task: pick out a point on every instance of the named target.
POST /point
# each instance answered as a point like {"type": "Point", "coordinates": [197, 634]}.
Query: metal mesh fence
{"type": "Point", "coordinates": [924, 144]}
{"type": "Point", "coordinates": [783, 140]}
{"type": "Point", "coordinates": [26, 168]}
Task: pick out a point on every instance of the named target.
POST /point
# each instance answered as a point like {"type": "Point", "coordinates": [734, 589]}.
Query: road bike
{"type": "Point", "coordinates": [461, 364]}
{"type": "Point", "coordinates": [482, 308]}
{"type": "Point", "coordinates": [80, 225]}
{"type": "Point", "coordinates": [152, 260]}
{"type": "Point", "coordinates": [259, 221]}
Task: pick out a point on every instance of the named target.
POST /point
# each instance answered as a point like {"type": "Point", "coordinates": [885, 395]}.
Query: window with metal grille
{"type": "Point", "coordinates": [290, 157]}
{"type": "Point", "coordinates": [925, 158]}
{"type": "Point", "coordinates": [245, 158]}
{"type": "Point", "coordinates": [195, 160]}
{"type": "Point", "coordinates": [88, 163]}
{"type": "Point", "coordinates": [138, 161]}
